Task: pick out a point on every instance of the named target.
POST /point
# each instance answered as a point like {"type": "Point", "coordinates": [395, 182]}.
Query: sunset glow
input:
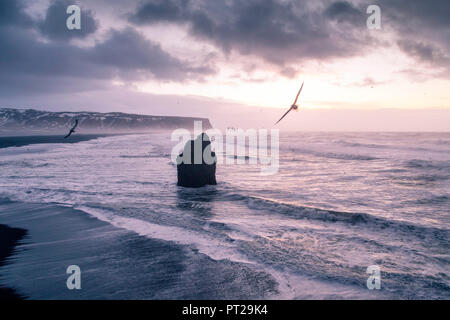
{"type": "Point", "coordinates": [245, 54]}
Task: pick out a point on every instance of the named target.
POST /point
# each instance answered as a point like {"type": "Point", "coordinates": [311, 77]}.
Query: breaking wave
{"type": "Point", "coordinates": [428, 164]}
{"type": "Point", "coordinates": [333, 155]}
{"type": "Point", "coordinates": [361, 219]}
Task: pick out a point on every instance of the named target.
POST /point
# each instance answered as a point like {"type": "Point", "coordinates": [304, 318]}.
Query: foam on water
{"type": "Point", "coordinates": [213, 248]}
{"type": "Point", "coordinates": [339, 203]}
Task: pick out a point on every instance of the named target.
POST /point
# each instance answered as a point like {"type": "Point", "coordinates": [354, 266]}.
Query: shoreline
{"type": "Point", "coordinates": [115, 263]}
{"type": "Point", "coordinates": [8, 141]}
{"type": "Point", "coordinates": [9, 240]}
{"type": "Point", "coordinates": [21, 141]}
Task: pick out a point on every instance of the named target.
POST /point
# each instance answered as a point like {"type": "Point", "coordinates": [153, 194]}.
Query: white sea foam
{"type": "Point", "coordinates": [332, 209]}
{"type": "Point", "coordinates": [213, 248]}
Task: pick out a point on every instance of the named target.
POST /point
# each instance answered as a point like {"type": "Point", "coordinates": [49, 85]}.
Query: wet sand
{"type": "Point", "coordinates": [9, 239]}
{"type": "Point", "coordinates": [115, 263]}
{"type": "Point", "coordinates": [20, 141]}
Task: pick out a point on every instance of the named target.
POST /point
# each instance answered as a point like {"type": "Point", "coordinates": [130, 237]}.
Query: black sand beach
{"type": "Point", "coordinates": [115, 263]}
{"type": "Point", "coordinates": [19, 141]}
{"type": "Point", "coordinates": [9, 238]}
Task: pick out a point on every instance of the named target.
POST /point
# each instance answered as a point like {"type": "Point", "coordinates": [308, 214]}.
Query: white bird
{"type": "Point", "coordinates": [294, 105]}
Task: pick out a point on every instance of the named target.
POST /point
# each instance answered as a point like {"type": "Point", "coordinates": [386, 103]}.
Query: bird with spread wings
{"type": "Point", "coordinates": [293, 106]}
{"type": "Point", "coordinates": [72, 130]}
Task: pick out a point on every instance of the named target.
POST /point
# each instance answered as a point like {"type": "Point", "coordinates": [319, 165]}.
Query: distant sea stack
{"type": "Point", "coordinates": [35, 121]}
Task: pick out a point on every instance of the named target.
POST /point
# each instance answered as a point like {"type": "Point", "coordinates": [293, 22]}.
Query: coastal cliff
{"type": "Point", "coordinates": [30, 120]}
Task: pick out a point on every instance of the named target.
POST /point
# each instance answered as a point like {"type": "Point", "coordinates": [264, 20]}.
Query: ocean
{"type": "Point", "coordinates": [340, 202]}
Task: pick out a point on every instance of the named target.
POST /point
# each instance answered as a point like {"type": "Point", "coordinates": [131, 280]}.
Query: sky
{"type": "Point", "coordinates": [238, 62]}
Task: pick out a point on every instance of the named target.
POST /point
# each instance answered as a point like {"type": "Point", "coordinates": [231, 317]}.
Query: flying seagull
{"type": "Point", "coordinates": [72, 130]}
{"type": "Point", "coordinates": [294, 106]}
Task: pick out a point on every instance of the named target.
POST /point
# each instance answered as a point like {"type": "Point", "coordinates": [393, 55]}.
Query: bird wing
{"type": "Point", "coordinates": [284, 115]}
{"type": "Point", "coordinates": [298, 94]}
{"type": "Point", "coordinates": [76, 124]}
{"type": "Point", "coordinates": [72, 130]}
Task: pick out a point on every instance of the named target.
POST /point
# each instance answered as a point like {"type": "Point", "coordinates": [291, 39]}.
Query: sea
{"type": "Point", "coordinates": [340, 206]}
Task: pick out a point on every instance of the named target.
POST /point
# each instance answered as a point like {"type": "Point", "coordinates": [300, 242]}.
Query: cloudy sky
{"type": "Point", "coordinates": [208, 56]}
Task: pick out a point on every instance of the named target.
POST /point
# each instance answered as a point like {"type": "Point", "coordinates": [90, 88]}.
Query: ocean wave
{"type": "Point", "coordinates": [134, 156]}
{"type": "Point", "coordinates": [144, 183]}
{"type": "Point", "coordinates": [362, 219]}
{"type": "Point", "coordinates": [434, 200]}
{"type": "Point", "coordinates": [305, 212]}
{"type": "Point", "coordinates": [211, 246]}
{"type": "Point", "coordinates": [236, 157]}
{"type": "Point", "coordinates": [422, 179]}
{"type": "Point", "coordinates": [443, 142]}
{"type": "Point", "coordinates": [427, 164]}
{"type": "Point", "coordinates": [390, 147]}
{"type": "Point", "coordinates": [5, 200]}
{"type": "Point", "coordinates": [159, 155]}
{"type": "Point", "coordinates": [334, 155]}
{"type": "Point", "coordinates": [145, 156]}
{"type": "Point", "coordinates": [24, 164]}
{"type": "Point", "coordinates": [364, 145]}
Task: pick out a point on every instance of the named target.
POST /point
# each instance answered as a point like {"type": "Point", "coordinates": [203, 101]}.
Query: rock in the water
{"type": "Point", "coordinates": [196, 166]}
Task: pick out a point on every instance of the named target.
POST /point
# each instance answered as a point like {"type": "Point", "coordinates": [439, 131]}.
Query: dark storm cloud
{"type": "Point", "coordinates": [27, 63]}
{"type": "Point", "coordinates": [124, 53]}
{"type": "Point", "coordinates": [423, 28]}
{"type": "Point", "coordinates": [160, 11]}
{"type": "Point", "coordinates": [11, 13]}
{"type": "Point", "coordinates": [424, 52]}
{"type": "Point", "coordinates": [286, 32]}
{"type": "Point", "coordinates": [131, 53]}
{"type": "Point", "coordinates": [427, 53]}
{"type": "Point", "coordinates": [22, 54]}
{"type": "Point", "coordinates": [429, 13]}
{"type": "Point", "coordinates": [343, 11]}
{"type": "Point", "coordinates": [279, 32]}
{"type": "Point", "coordinates": [54, 23]}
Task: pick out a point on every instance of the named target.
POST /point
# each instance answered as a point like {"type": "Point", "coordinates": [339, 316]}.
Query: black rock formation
{"type": "Point", "coordinates": [9, 239]}
{"type": "Point", "coordinates": [196, 166]}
